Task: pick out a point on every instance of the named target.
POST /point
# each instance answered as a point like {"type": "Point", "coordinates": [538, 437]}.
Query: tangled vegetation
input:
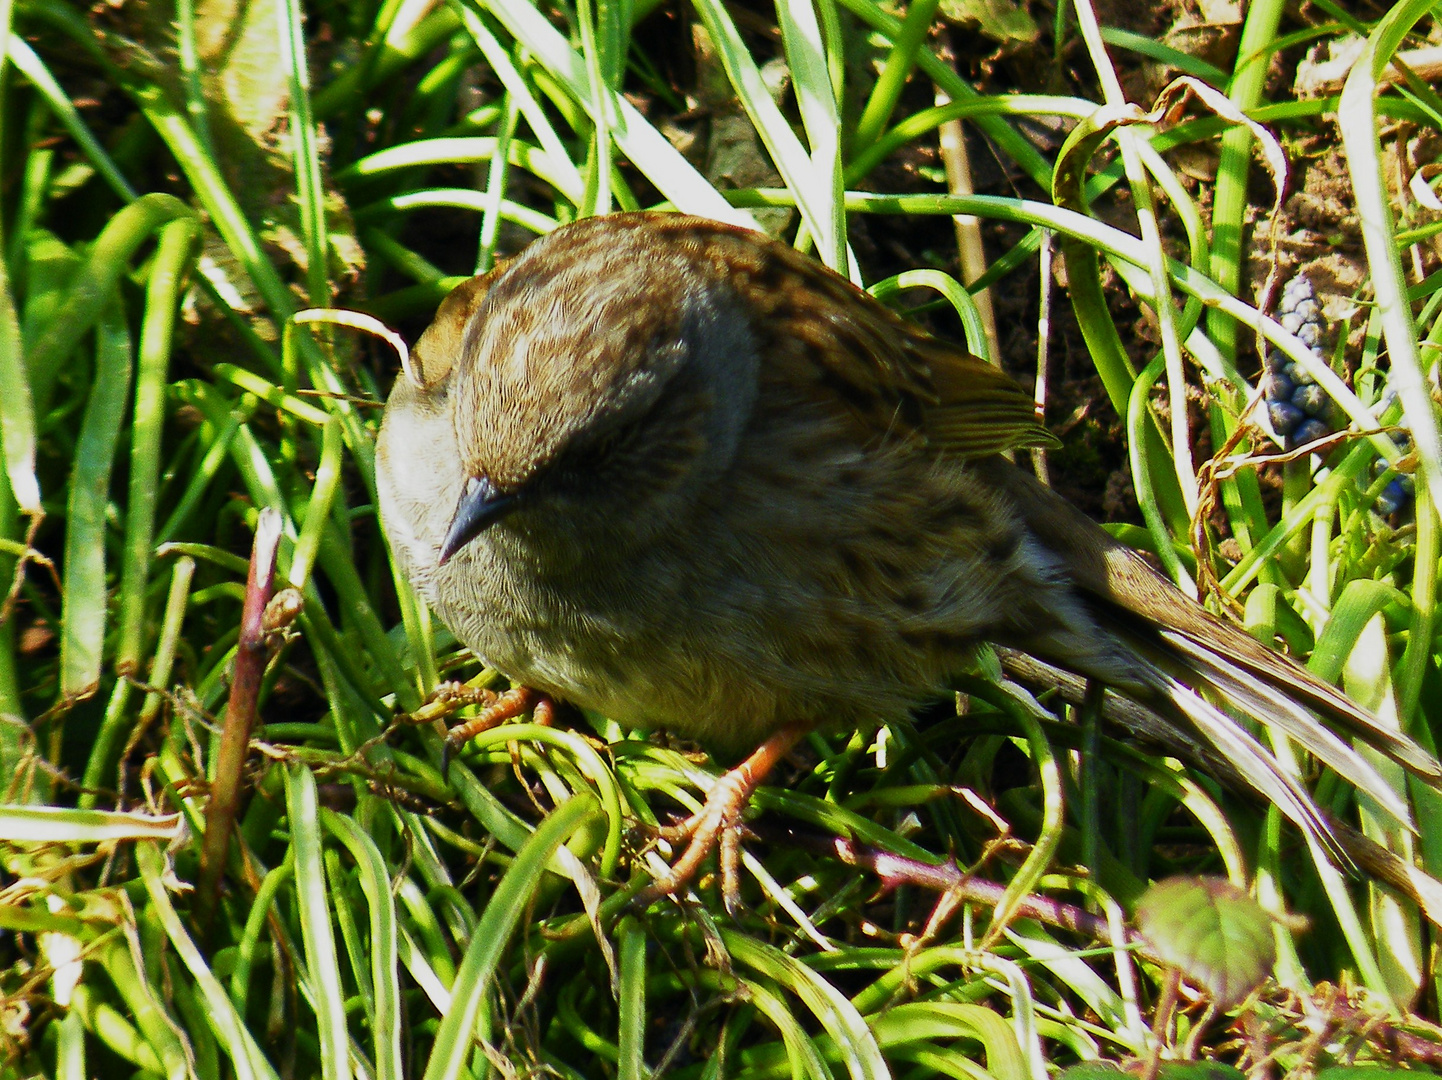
{"type": "Point", "coordinates": [231, 845]}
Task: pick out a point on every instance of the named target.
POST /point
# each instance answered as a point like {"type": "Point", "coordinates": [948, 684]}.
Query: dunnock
{"type": "Point", "coordinates": [678, 473]}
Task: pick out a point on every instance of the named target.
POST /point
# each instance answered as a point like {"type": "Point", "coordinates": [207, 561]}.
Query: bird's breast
{"type": "Point", "coordinates": [612, 640]}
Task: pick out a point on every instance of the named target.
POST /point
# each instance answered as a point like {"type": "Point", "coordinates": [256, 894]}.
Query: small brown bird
{"type": "Point", "coordinates": [678, 473]}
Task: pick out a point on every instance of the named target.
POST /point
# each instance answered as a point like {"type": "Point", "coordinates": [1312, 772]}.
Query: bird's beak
{"type": "Point", "coordinates": [480, 506]}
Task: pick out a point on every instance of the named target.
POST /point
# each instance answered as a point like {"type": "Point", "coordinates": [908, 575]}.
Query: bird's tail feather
{"type": "Point", "coordinates": [1191, 667]}
{"type": "Point", "coordinates": [1256, 765]}
{"type": "Point", "coordinates": [1160, 720]}
{"type": "Point", "coordinates": [1258, 698]}
{"type": "Point", "coordinates": [1239, 652]}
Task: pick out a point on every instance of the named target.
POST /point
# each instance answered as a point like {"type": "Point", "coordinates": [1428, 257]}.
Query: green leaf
{"type": "Point", "coordinates": [999, 20]}
{"type": "Point", "coordinates": [1214, 932]}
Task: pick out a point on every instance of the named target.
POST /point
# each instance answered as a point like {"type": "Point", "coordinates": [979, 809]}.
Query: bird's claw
{"type": "Point", "coordinates": [717, 825]}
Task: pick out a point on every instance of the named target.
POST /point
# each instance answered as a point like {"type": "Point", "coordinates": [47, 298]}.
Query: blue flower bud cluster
{"type": "Point", "coordinates": [1297, 407]}
{"type": "Point", "coordinates": [1398, 494]}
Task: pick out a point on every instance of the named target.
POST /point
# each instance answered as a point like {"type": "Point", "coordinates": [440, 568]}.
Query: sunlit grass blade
{"type": "Point", "coordinates": [502, 914]}
{"type": "Point", "coordinates": [1359, 135]}
{"type": "Point", "coordinates": [673, 176]}
{"type": "Point", "coordinates": [329, 997]}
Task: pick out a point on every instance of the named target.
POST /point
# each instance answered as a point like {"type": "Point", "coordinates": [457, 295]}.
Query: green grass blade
{"type": "Point", "coordinates": [305, 155]}
{"type": "Point", "coordinates": [245, 1056]}
{"type": "Point", "coordinates": [33, 68]}
{"type": "Point", "coordinates": [1234, 165]}
{"type": "Point", "coordinates": [303, 811]}
{"type": "Point", "coordinates": [632, 1007]}
{"type": "Point", "coordinates": [83, 611]}
{"type": "Point", "coordinates": [673, 176]}
{"type": "Point", "coordinates": [502, 914]}
{"type": "Point", "coordinates": [781, 143]}
{"type": "Point", "coordinates": [173, 256]}
{"type": "Point", "coordinates": [385, 985]}
{"type": "Point", "coordinates": [93, 284]}
{"type": "Point", "coordinates": [1359, 135]}
{"type": "Point", "coordinates": [60, 825]}
{"type": "Point", "coordinates": [837, 1016]}
{"type": "Point", "coordinates": [812, 81]}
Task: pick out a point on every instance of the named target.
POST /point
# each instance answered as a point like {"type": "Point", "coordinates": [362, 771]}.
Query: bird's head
{"type": "Point", "coordinates": [600, 385]}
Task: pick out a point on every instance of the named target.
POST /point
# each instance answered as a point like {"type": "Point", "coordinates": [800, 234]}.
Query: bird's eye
{"type": "Point", "coordinates": [607, 445]}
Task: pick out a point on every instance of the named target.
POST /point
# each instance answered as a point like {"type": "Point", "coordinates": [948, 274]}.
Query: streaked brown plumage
{"type": "Point", "coordinates": [705, 484]}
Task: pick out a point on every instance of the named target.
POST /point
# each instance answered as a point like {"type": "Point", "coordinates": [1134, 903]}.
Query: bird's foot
{"type": "Point", "coordinates": [498, 709]}
{"type": "Point", "coordinates": [513, 703]}
{"type": "Point", "coordinates": [445, 701]}
{"type": "Point", "coordinates": [718, 824]}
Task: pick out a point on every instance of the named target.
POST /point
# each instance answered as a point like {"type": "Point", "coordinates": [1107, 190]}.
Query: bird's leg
{"type": "Point", "coordinates": [719, 821]}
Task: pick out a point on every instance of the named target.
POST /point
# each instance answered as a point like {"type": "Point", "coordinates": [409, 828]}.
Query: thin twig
{"type": "Point", "coordinates": [895, 870]}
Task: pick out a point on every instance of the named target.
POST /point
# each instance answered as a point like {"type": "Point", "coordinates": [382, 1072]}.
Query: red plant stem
{"type": "Point", "coordinates": [250, 658]}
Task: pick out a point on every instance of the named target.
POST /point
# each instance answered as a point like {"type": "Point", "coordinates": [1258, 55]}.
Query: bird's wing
{"type": "Point", "coordinates": [839, 347]}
